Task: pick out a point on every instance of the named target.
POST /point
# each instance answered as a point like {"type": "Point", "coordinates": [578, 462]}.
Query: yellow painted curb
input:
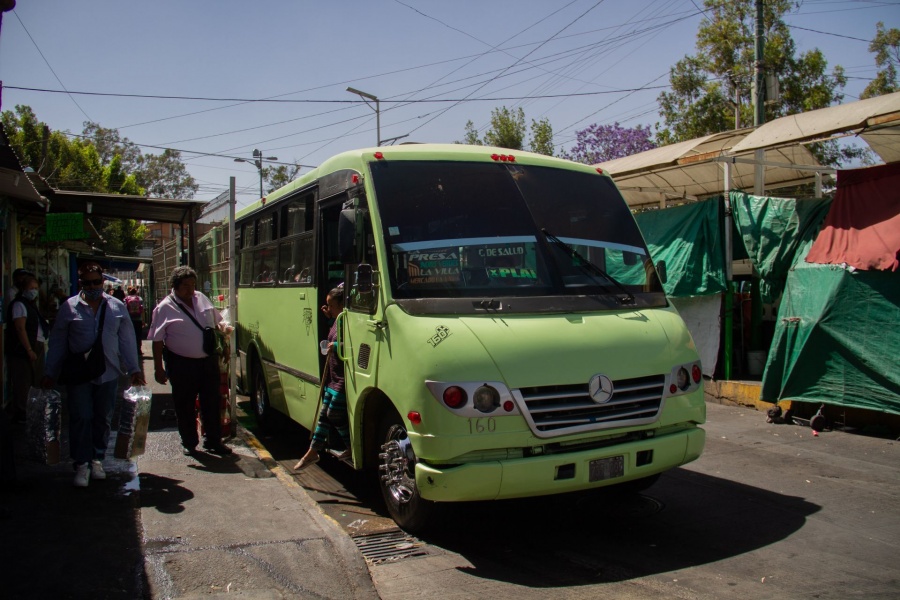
{"type": "Point", "coordinates": [266, 458]}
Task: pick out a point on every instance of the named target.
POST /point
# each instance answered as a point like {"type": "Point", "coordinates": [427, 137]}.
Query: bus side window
{"type": "Point", "coordinates": [295, 259]}
{"type": "Point", "coordinates": [264, 265]}
{"type": "Point", "coordinates": [297, 216]}
{"type": "Point", "coordinates": [246, 271]}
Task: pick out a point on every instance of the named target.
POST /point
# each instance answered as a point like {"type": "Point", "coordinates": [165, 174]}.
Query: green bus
{"type": "Point", "coordinates": [505, 332]}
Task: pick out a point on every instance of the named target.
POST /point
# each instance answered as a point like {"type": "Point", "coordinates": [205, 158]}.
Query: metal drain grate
{"type": "Point", "coordinates": [389, 546]}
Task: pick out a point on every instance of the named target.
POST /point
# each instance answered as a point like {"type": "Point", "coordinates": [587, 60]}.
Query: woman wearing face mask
{"type": "Point", "coordinates": [91, 404]}
{"type": "Point", "coordinates": [26, 333]}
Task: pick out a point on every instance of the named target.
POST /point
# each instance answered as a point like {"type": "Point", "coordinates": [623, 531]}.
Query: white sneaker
{"type": "Point", "coordinates": [82, 475]}
{"type": "Point", "coordinates": [97, 471]}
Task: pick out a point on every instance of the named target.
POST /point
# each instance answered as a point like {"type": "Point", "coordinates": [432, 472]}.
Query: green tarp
{"type": "Point", "coordinates": [775, 232]}
{"type": "Point", "coordinates": [836, 339]}
{"type": "Point", "coordinates": [689, 239]}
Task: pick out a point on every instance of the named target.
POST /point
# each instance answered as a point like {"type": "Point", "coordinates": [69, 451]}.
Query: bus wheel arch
{"type": "Point", "coordinates": [375, 404]}
{"type": "Point", "coordinates": [396, 474]}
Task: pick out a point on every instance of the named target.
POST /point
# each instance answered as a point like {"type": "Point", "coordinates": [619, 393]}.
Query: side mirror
{"type": "Point", "coordinates": [661, 271]}
{"type": "Point", "coordinates": [347, 235]}
{"type": "Point", "coordinates": [364, 281]}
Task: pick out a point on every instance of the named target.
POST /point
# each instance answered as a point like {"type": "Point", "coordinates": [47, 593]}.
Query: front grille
{"type": "Point", "coordinates": [563, 409]}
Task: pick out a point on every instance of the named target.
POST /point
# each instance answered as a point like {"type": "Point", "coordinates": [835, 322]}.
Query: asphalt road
{"type": "Point", "coordinates": [769, 511]}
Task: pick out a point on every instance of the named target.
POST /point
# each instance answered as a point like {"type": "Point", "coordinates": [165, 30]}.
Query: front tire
{"type": "Point", "coordinates": [265, 414]}
{"type": "Point", "coordinates": [397, 478]}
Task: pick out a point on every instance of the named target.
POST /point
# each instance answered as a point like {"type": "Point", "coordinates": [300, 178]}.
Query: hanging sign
{"type": "Point", "coordinates": [64, 226]}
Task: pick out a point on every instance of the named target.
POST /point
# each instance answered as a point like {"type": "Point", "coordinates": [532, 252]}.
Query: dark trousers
{"type": "Point", "coordinates": [192, 377]}
{"type": "Point", "coordinates": [138, 332]}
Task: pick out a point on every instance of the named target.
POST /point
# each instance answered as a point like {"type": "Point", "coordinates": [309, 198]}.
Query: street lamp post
{"type": "Point", "coordinates": [377, 109]}
{"type": "Point", "coordinates": [258, 161]}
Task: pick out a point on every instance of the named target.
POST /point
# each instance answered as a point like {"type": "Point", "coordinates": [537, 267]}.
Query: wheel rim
{"type": "Point", "coordinates": [398, 462]}
{"type": "Point", "coordinates": [260, 395]}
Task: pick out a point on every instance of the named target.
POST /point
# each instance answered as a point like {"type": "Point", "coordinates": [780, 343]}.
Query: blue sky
{"type": "Point", "coordinates": [472, 56]}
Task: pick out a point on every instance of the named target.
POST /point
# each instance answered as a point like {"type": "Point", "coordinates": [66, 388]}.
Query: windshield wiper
{"type": "Point", "coordinates": [589, 266]}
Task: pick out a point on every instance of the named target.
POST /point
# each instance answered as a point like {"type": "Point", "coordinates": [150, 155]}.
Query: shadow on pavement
{"type": "Point", "coordinates": [686, 519]}
{"type": "Point", "coordinates": [163, 493]}
{"type": "Point", "coordinates": [59, 541]}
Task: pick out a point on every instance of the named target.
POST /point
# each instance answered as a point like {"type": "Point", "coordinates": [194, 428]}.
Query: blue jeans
{"type": "Point", "coordinates": [90, 411]}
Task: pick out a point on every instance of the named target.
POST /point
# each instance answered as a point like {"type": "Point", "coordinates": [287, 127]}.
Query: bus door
{"type": "Point", "coordinates": [362, 325]}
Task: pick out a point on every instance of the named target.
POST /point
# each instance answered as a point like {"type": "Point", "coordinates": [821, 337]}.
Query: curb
{"type": "Point", "coordinates": [357, 567]}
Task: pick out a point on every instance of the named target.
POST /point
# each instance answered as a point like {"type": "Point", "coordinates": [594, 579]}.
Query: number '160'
{"type": "Point", "coordinates": [480, 425]}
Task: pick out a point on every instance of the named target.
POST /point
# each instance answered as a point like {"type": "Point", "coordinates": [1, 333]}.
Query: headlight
{"type": "Point", "coordinates": [486, 399]}
{"type": "Point", "coordinates": [681, 379]}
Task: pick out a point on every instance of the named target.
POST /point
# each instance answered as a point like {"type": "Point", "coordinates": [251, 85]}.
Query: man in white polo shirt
{"type": "Point", "coordinates": [177, 334]}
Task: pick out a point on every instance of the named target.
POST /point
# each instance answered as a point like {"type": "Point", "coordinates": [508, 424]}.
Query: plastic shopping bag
{"type": "Point", "coordinates": [134, 419]}
{"type": "Point", "coordinates": [42, 424]}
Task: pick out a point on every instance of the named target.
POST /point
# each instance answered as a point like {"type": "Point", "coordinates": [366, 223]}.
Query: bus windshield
{"type": "Point", "coordinates": [464, 229]}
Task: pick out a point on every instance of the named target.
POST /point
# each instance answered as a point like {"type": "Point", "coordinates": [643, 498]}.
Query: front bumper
{"type": "Point", "coordinates": [539, 475]}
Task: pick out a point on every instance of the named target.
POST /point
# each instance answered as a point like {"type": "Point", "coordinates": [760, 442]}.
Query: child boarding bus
{"type": "Point", "coordinates": [505, 333]}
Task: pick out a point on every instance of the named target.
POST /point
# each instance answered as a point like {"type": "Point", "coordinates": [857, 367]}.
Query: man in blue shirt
{"type": "Point", "coordinates": [91, 404]}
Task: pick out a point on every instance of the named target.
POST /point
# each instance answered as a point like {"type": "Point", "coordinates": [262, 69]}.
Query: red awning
{"type": "Point", "coordinates": [862, 228]}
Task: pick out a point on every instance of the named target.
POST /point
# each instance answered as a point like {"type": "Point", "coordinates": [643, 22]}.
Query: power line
{"type": "Point", "coordinates": [832, 34]}
{"type": "Point", "coordinates": [47, 62]}
{"type": "Point", "coordinates": [515, 63]}
{"type": "Point", "coordinates": [249, 100]}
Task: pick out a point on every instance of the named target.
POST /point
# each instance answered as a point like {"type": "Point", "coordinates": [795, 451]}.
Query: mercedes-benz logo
{"type": "Point", "coordinates": [600, 387]}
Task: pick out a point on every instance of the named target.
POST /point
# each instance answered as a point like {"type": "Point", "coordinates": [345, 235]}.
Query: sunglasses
{"type": "Point", "coordinates": [91, 282]}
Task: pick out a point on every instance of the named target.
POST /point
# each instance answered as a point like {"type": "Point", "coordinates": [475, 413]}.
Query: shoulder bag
{"type": "Point", "coordinates": [211, 342]}
{"type": "Point", "coordinates": [82, 367]}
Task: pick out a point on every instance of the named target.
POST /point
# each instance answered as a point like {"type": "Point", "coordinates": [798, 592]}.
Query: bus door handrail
{"type": "Point", "coordinates": [338, 346]}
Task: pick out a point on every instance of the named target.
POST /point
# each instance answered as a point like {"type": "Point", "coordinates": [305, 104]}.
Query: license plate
{"type": "Point", "coordinates": [606, 468]}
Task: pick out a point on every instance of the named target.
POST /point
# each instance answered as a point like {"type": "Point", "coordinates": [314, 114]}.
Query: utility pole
{"type": "Point", "coordinates": [258, 161]}
{"type": "Point", "coordinates": [759, 97]}
{"type": "Point", "coordinates": [759, 181]}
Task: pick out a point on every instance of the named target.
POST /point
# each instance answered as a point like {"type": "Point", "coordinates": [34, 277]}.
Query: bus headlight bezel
{"type": "Point", "coordinates": [483, 398]}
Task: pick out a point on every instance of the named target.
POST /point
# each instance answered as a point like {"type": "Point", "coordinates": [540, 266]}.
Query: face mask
{"type": "Point", "coordinates": [91, 295]}
{"type": "Point", "coordinates": [30, 294]}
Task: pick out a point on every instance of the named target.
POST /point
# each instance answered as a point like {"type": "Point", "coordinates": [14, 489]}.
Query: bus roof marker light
{"type": "Point", "coordinates": [599, 170]}
{"type": "Point", "coordinates": [414, 417]}
{"type": "Point", "coordinates": [379, 155]}
{"type": "Point", "coordinates": [495, 157]}
{"type": "Point", "coordinates": [355, 178]}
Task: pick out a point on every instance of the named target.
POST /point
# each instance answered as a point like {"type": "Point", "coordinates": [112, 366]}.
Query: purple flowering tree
{"type": "Point", "coordinates": [599, 143]}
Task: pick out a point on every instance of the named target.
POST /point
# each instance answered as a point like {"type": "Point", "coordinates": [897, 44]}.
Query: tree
{"type": "Point", "coordinates": [599, 143]}
{"type": "Point", "coordinates": [26, 136]}
{"type": "Point", "coordinates": [280, 176]}
{"type": "Point", "coordinates": [165, 176]}
{"type": "Point", "coordinates": [98, 161]}
{"type": "Point", "coordinates": [471, 135]}
{"type": "Point", "coordinates": [507, 130]}
{"type": "Point", "coordinates": [542, 137]}
{"type": "Point", "coordinates": [708, 88]}
{"type": "Point", "coordinates": [886, 47]}
{"type": "Point", "coordinates": [109, 143]}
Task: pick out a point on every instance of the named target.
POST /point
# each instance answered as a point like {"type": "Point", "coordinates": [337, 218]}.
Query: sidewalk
{"type": "Point", "coordinates": [172, 526]}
